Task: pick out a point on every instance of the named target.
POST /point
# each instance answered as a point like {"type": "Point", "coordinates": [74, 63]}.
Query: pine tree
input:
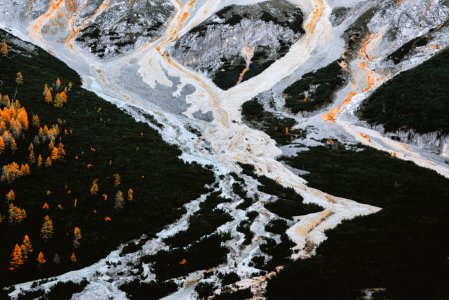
{"type": "Point", "coordinates": [94, 188]}
{"type": "Point", "coordinates": [41, 259]}
{"type": "Point", "coordinates": [11, 196]}
{"type": "Point", "coordinates": [47, 229]}
{"type": "Point", "coordinates": [130, 195]}
{"type": "Point", "coordinates": [76, 237]}
{"type": "Point", "coordinates": [56, 259]}
{"type": "Point", "coordinates": [119, 201]}
{"type": "Point", "coordinates": [4, 49]}
{"type": "Point", "coordinates": [16, 258]}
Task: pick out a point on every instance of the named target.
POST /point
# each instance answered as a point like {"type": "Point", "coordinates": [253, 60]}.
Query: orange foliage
{"type": "Point", "coordinates": [41, 259]}
{"type": "Point", "coordinates": [16, 258]}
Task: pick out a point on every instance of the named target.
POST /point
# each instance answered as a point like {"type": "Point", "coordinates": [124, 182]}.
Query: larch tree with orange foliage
{"type": "Point", "coordinates": [31, 157]}
{"type": "Point", "coordinates": [59, 102]}
{"type": "Point", "coordinates": [94, 188]}
{"type": "Point", "coordinates": [76, 236]}
{"type": "Point", "coordinates": [2, 145]}
{"type": "Point", "coordinates": [48, 98]}
{"type": "Point", "coordinates": [11, 196]}
{"type": "Point", "coordinates": [4, 49]}
{"type": "Point", "coordinates": [48, 162]}
{"type": "Point", "coordinates": [27, 243]}
{"type": "Point", "coordinates": [55, 154]}
{"type": "Point", "coordinates": [13, 145]}
{"type": "Point", "coordinates": [22, 116]}
{"type": "Point", "coordinates": [58, 84]}
{"type": "Point", "coordinates": [61, 150]}
{"type": "Point", "coordinates": [41, 259]}
{"type": "Point", "coordinates": [64, 97]}
{"type": "Point", "coordinates": [16, 258]}
{"type": "Point", "coordinates": [16, 214]}
{"type": "Point", "coordinates": [47, 229]}
{"type": "Point", "coordinates": [39, 161]}
{"type": "Point", "coordinates": [73, 258]}
{"type": "Point", "coordinates": [36, 121]}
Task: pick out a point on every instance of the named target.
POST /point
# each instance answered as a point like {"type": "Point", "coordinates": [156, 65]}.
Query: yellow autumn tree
{"type": "Point", "coordinates": [47, 229]}
{"type": "Point", "coordinates": [16, 258]}
{"type": "Point", "coordinates": [39, 161]}
{"type": "Point", "coordinates": [130, 195]}
{"type": "Point", "coordinates": [4, 49]}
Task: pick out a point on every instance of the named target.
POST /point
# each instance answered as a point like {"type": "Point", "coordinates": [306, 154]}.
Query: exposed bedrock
{"type": "Point", "coordinates": [124, 25]}
{"type": "Point", "coordinates": [240, 42]}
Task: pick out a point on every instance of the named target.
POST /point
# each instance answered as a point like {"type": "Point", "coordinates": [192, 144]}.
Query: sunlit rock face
{"type": "Point", "coordinates": [124, 25]}
{"type": "Point", "coordinates": [236, 37]}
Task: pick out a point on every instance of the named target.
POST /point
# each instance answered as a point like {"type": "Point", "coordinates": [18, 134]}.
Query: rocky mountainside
{"type": "Point", "coordinates": [315, 117]}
